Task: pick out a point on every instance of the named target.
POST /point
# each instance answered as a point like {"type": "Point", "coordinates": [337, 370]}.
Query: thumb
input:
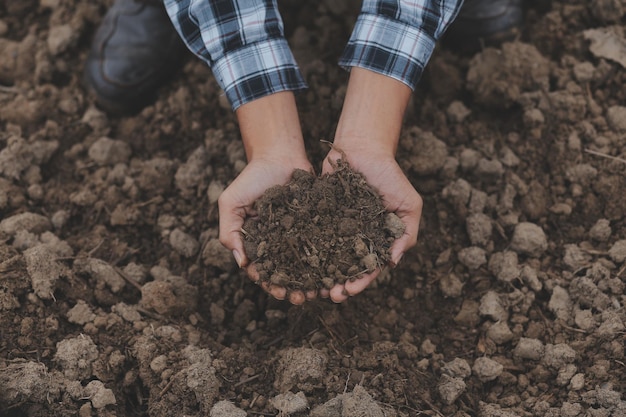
{"type": "Point", "coordinates": [408, 239]}
{"type": "Point", "coordinates": [397, 250]}
{"type": "Point", "coordinates": [231, 220]}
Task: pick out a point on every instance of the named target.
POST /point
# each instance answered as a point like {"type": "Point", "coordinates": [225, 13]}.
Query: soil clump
{"type": "Point", "coordinates": [315, 232]}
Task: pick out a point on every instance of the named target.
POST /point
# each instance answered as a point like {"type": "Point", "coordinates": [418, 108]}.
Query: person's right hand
{"type": "Point", "coordinates": [272, 137]}
{"type": "Point", "coordinates": [236, 203]}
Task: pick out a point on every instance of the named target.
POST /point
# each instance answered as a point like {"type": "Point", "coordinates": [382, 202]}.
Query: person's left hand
{"type": "Point", "coordinates": [383, 173]}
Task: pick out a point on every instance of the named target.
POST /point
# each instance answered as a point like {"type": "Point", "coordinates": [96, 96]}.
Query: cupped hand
{"type": "Point", "coordinates": [383, 173]}
{"type": "Point", "coordinates": [236, 203]}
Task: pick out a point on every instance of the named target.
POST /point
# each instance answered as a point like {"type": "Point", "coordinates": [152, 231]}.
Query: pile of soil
{"type": "Point", "coordinates": [315, 232]}
{"type": "Point", "coordinates": [117, 299]}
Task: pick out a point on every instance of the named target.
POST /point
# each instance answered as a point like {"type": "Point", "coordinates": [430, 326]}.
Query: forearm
{"type": "Point", "coordinates": [242, 42]}
{"type": "Point", "coordinates": [372, 113]}
{"type": "Point", "coordinates": [367, 136]}
{"type": "Point", "coordinates": [387, 52]}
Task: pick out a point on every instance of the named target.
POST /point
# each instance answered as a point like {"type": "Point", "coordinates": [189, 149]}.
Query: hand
{"type": "Point", "coordinates": [272, 138]}
{"type": "Point", "coordinates": [367, 133]}
{"type": "Point", "coordinates": [384, 174]}
{"type": "Point", "coordinates": [236, 203]}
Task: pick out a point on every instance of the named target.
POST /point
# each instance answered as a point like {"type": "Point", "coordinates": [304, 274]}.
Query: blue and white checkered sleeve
{"type": "Point", "coordinates": [397, 37]}
{"type": "Point", "coordinates": [242, 41]}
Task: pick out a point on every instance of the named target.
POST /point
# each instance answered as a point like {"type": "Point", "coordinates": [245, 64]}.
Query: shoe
{"type": "Point", "coordinates": [134, 51]}
{"type": "Point", "coordinates": [485, 23]}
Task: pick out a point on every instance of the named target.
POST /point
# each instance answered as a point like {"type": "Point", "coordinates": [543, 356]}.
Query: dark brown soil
{"type": "Point", "coordinates": [315, 232]}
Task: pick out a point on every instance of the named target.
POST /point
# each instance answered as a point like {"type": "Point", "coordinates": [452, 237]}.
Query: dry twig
{"type": "Point", "coordinates": [603, 155]}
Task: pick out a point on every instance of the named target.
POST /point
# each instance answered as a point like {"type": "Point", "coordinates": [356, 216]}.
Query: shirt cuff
{"type": "Point", "coordinates": [258, 70]}
{"type": "Point", "coordinates": [388, 47]}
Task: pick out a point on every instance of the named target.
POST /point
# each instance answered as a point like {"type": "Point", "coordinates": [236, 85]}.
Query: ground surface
{"type": "Point", "coordinates": [116, 299]}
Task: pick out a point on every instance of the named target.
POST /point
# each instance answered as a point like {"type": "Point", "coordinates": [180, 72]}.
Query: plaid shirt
{"type": "Point", "coordinates": [243, 41]}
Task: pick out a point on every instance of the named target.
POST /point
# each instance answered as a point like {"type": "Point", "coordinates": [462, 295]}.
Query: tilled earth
{"type": "Point", "coordinates": [116, 299]}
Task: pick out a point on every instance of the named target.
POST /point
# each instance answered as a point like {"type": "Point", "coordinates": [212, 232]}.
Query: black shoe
{"type": "Point", "coordinates": [485, 23]}
{"type": "Point", "coordinates": [135, 50]}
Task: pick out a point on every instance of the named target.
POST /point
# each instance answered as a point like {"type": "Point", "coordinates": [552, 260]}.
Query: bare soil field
{"type": "Point", "coordinates": [116, 298]}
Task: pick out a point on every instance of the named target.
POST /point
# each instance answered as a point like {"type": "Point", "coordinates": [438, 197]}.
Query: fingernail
{"type": "Point", "coordinates": [397, 260]}
{"type": "Point", "coordinates": [237, 256]}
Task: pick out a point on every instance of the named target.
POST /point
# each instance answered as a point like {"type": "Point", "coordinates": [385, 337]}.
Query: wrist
{"type": "Point", "coordinates": [270, 128]}
{"type": "Point", "coordinates": [372, 114]}
{"type": "Point", "coordinates": [353, 143]}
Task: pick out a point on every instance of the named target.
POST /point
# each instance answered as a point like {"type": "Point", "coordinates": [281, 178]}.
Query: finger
{"type": "Point", "coordinates": [338, 294]}
{"type": "Point", "coordinates": [361, 283]}
{"type": "Point", "coordinates": [404, 243]}
{"type": "Point", "coordinates": [297, 298]}
{"type": "Point", "coordinates": [280, 293]}
{"type": "Point", "coordinates": [398, 248]}
{"type": "Point", "coordinates": [331, 159]}
{"type": "Point", "coordinates": [311, 295]}
{"type": "Point", "coordinates": [324, 293]}
{"type": "Point", "coordinates": [411, 219]}
{"type": "Point", "coordinates": [231, 220]}
{"type": "Point", "coordinates": [253, 274]}
{"type": "Point", "coordinates": [266, 286]}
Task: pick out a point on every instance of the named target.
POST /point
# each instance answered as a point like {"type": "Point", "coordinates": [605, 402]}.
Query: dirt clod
{"type": "Point", "coordinates": [450, 389]}
{"type": "Point", "coordinates": [290, 403]}
{"type": "Point", "coordinates": [75, 356]}
{"type": "Point", "coordinates": [226, 408]}
{"type": "Point", "coordinates": [26, 381]}
{"type": "Point", "coordinates": [529, 239]}
{"type": "Point", "coordinates": [360, 403]}
{"type": "Point", "coordinates": [487, 369]}
{"type": "Point", "coordinates": [300, 368]}
{"type": "Point", "coordinates": [99, 395]}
